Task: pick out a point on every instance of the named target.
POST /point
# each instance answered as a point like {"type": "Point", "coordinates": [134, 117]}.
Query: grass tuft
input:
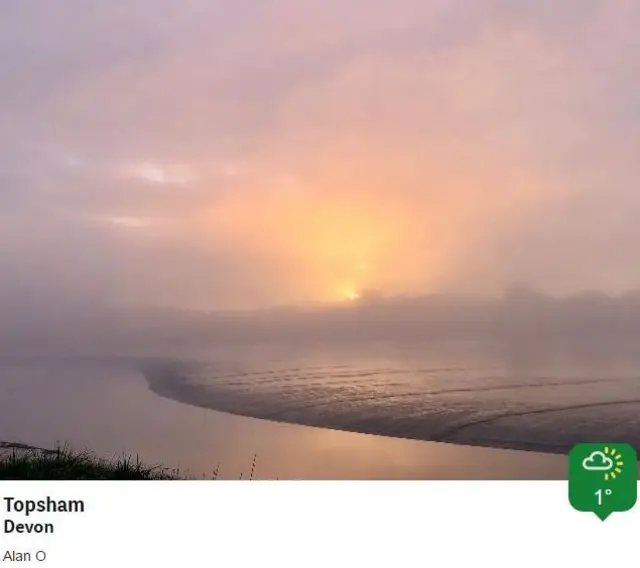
{"type": "Point", "coordinates": [66, 464]}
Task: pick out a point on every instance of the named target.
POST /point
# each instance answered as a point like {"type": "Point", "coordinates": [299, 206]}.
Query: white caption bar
{"type": "Point", "coordinates": [305, 524]}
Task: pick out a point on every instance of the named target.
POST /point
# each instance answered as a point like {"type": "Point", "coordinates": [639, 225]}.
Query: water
{"type": "Point", "coordinates": [109, 409]}
{"type": "Point", "coordinates": [320, 399]}
{"type": "Point", "coordinates": [466, 393]}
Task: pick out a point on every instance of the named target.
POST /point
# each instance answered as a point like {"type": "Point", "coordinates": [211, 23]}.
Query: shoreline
{"type": "Point", "coordinates": [191, 395]}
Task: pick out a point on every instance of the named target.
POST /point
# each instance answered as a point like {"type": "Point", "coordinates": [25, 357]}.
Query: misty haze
{"type": "Point", "coordinates": [355, 239]}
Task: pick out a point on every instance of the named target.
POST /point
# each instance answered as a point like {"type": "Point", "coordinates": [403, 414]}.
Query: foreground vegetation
{"type": "Point", "coordinates": [66, 464]}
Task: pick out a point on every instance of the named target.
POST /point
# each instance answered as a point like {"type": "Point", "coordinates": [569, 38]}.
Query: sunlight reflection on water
{"type": "Point", "coordinates": [109, 408]}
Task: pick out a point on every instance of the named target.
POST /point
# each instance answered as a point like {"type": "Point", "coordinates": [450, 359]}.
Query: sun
{"type": "Point", "coordinates": [349, 293]}
{"type": "Point", "coordinates": [617, 459]}
{"type": "Point", "coordinates": [352, 296]}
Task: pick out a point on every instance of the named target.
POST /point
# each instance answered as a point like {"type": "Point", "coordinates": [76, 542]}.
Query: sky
{"type": "Point", "coordinates": [209, 154]}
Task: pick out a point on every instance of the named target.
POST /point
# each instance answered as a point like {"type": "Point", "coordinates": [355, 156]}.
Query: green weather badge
{"type": "Point", "coordinates": [603, 478]}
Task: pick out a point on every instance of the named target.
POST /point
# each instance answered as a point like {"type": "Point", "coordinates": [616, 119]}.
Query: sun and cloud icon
{"type": "Point", "coordinates": [608, 461]}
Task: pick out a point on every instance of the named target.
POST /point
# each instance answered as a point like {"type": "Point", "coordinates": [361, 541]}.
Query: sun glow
{"type": "Point", "coordinates": [350, 294]}
{"type": "Point", "coordinates": [330, 246]}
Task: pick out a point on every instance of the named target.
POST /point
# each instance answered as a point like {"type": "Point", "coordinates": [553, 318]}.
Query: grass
{"type": "Point", "coordinates": [66, 464]}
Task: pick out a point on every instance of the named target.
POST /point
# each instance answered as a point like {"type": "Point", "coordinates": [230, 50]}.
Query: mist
{"type": "Point", "coordinates": [203, 156]}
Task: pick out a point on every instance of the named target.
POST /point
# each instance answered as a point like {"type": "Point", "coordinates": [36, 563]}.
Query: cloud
{"type": "Point", "coordinates": [130, 222]}
{"type": "Point", "coordinates": [161, 174]}
{"type": "Point", "coordinates": [597, 461]}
